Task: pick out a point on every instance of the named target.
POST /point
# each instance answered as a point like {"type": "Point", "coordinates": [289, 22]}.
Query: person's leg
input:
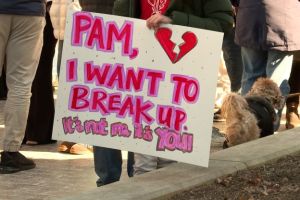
{"type": "Point", "coordinates": [233, 61]}
{"type": "Point", "coordinates": [144, 163]}
{"type": "Point", "coordinates": [254, 62]}
{"type": "Point", "coordinates": [22, 53]}
{"type": "Point", "coordinates": [278, 69]}
{"type": "Point", "coordinates": [40, 120]}
{"type": "Point", "coordinates": [108, 165]}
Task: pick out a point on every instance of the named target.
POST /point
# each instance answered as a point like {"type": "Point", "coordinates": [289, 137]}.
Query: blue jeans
{"type": "Point", "coordinates": [273, 64]}
{"type": "Point", "coordinates": [233, 60]}
{"type": "Point", "coordinates": [108, 165]}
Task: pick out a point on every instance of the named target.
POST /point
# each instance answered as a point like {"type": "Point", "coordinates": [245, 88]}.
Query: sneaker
{"type": "Point", "coordinates": [12, 162]}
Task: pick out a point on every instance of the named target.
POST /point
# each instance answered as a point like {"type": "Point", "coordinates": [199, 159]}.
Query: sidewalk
{"type": "Point", "coordinates": [59, 176]}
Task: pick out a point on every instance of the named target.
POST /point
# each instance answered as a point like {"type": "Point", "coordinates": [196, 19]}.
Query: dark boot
{"type": "Point", "coordinates": [292, 115]}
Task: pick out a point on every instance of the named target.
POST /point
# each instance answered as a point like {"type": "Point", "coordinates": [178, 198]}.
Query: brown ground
{"type": "Point", "coordinates": [277, 180]}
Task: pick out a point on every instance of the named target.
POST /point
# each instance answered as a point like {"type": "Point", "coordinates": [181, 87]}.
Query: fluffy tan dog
{"type": "Point", "coordinates": [268, 89]}
{"type": "Point", "coordinates": [241, 123]}
{"type": "Point", "coordinates": [252, 116]}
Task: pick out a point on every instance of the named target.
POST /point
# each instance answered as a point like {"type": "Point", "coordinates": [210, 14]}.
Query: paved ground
{"type": "Point", "coordinates": [57, 175]}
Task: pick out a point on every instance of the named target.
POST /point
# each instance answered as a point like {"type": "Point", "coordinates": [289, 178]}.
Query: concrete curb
{"type": "Point", "coordinates": [175, 178]}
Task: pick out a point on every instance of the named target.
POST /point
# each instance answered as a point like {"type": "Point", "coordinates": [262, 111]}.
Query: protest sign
{"type": "Point", "coordinates": [126, 87]}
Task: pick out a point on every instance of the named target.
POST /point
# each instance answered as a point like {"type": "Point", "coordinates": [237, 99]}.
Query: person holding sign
{"type": "Point", "coordinates": [213, 15]}
{"type": "Point", "coordinates": [107, 161]}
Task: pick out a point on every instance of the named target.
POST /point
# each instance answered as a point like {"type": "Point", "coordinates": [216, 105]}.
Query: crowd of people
{"type": "Point", "coordinates": [261, 39]}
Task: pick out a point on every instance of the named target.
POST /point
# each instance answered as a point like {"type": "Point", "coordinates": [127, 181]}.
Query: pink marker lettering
{"type": "Point", "coordinates": [141, 111]}
{"type": "Point", "coordinates": [94, 32]}
{"type": "Point", "coordinates": [68, 125]}
{"type": "Point", "coordinates": [171, 117]}
{"type": "Point", "coordinates": [185, 87]}
{"type": "Point", "coordinates": [143, 133]}
{"type": "Point", "coordinates": [81, 24]}
{"type": "Point", "coordinates": [120, 129]}
{"type": "Point", "coordinates": [71, 70]}
{"type": "Point", "coordinates": [96, 35]}
{"type": "Point", "coordinates": [95, 73]}
{"type": "Point", "coordinates": [172, 140]}
{"type": "Point", "coordinates": [98, 99]}
{"type": "Point", "coordinates": [135, 80]}
{"type": "Point", "coordinates": [154, 79]}
{"type": "Point", "coordinates": [78, 98]}
{"type": "Point", "coordinates": [96, 127]}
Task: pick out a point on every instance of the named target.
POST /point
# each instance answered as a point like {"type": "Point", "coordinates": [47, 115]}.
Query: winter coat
{"type": "Point", "coordinates": [58, 12]}
{"type": "Point", "coordinates": [23, 7]}
{"type": "Point", "coordinates": [103, 6]}
{"type": "Point", "coordinates": [213, 15]}
{"type": "Point", "coordinates": [269, 24]}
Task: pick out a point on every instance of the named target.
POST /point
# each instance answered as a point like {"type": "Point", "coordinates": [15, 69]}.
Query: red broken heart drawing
{"type": "Point", "coordinates": [163, 35]}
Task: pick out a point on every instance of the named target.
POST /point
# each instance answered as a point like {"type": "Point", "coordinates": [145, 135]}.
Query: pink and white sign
{"type": "Point", "coordinates": [126, 87]}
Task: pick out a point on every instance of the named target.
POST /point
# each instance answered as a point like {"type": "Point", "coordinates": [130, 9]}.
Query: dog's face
{"type": "Point", "coordinates": [268, 89]}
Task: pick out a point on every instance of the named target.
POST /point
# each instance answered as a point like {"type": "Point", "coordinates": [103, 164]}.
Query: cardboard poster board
{"type": "Point", "coordinates": [126, 87]}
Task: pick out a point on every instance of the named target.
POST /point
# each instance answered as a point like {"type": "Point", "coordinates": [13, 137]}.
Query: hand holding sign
{"type": "Point", "coordinates": [156, 20]}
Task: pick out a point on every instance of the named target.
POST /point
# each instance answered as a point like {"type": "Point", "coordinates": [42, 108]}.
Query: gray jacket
{"type": "Point", "coordinates": [269, 24]}
{"type": "Point", "coordinates": [23, 7]}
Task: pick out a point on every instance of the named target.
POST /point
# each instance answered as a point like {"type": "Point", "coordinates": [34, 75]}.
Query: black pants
{"type": "Point", "coordinates": [41, 112]}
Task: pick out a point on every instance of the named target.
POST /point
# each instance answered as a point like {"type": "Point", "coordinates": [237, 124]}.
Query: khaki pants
{"type": "Point", "coordinates": [21, 39]}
